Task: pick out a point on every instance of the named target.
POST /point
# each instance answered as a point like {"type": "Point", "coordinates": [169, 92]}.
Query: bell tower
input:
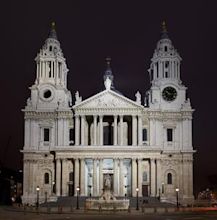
{"type": "Point", "coordinates": [167, 90]}
{"type": "Point", "coordinates": [50, 87]}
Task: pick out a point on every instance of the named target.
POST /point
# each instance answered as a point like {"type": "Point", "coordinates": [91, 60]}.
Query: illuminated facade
{"type": "Point", "coordinates": [145, 145]}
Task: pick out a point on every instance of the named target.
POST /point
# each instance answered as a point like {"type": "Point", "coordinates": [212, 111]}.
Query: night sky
{"type": "Point", "coordinates": [127, 31]}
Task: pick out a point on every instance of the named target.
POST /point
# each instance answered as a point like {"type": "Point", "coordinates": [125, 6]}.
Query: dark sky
{"type": "Point", "coordinates": [128, 32]}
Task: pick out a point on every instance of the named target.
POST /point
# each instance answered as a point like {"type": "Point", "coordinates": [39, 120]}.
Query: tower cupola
{"type": "Point", "coordinates": [51, 65]}
{"type": "Point", "coordinates": [165, 63]}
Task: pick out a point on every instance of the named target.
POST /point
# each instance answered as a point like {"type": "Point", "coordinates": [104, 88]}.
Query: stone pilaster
{"type": "Point", "coordinates": [140, 176]}
{"type": "Point", "coordinates": [153, 178]}
{"type": "Point", "coordinates": [101, 129]}
{"type": "Point", "coordinates": [58, 177]}
{"type": "Point", "coordinates": [121, 182]}
{"type": "Point", "coordinates": [115, 130]}
{"type": "Point", "coordinates": [82, 130]}
{"type": "Point", "coordinates": [121, 129]}
{"type": "Point", "coordinates": [65, 177]}
{"type": "Point", "coordinates": [95, 129]}
{"type": "Point", "coordinates": [134, 177]}
{"type": "Point", "coordinates": [82, 177]}
{"type": "Point", "coordinates": [158, 174]}
{"type": "Point", "coordinates": [77, 130]}
{"type": "Point", "coordinates": [76, 175]}
{"type": "Point", "coordinates": [100, 176]}
{"type": "Point", "coordinates": [134, 130]}
{"type": "Point", "coordinates": [139, 130]}
{"type": "Point", "coordinates": [94, 177]}
{"type": "Point", "coordinates": [115, 184]}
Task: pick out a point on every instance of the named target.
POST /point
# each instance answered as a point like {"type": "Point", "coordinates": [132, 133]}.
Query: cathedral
{"type": "Point", "coordinates": [142, 146]}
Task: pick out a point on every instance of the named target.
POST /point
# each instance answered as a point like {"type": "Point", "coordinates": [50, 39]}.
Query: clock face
{"type": "Point", "coordinates": [169, 93]}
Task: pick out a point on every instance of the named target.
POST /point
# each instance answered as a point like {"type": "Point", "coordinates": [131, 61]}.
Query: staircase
{"type": "Point", "coordinates": [142, 201]}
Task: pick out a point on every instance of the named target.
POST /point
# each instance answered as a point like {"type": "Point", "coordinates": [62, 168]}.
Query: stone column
{"type": "Point", "coordinates": [82, 177]}
{"type": "Point", "coordinates": [134, 130]}
{"type": "Point", "coordinates": [140, 176]}
{"type": "Point", "coordinates": [121, 129]}
{"type": "Point", "coordinates": [82, 129]}
{"type": "Point", "coordinates": [134, 177]}
{"type": "Point", "coordinates": [115, 182]}
{"type": "Point", "coordinates": [139, 130]}
{"type": "Point", "coordinates": [115, 130]}
{"type": "Point", "coordinates": [158, 175]}
{"type": "Point", "coordinates": [58, 177]}
{"type": "Point", "coordinates": [94, 177]}
{"type": "Point", "coordinates": [65, 177]}
{"type": "Point", "coordinates": [95, 129]}
{"type": "Point", "coordinates": [153, 176]}
{"type": "Point", "coordinates": [77, 130]}
{"type": "Point", "coordinates": [100, 176]}
{"type": "Point", "coordinates": [101, 129]}
{"type": "Point", "coordinates": [121, 182]}
{"type": "Point", "coordinates": [76, 175]}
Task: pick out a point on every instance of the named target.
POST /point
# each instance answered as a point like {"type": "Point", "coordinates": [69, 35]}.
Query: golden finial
{"type": "Point", "coordinates": [53, 25]}
{"type": "Point", "coordinates": [164, 27]}
{"type": "Point", "coordinates": [108, 61]}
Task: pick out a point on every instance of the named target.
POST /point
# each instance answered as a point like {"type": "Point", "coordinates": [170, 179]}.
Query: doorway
{"type": "Point", "coordinates": [145, 190]}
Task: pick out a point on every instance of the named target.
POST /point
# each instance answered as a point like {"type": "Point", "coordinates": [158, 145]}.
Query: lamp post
{"type": "Point", "coordinates": [90, 190]}
{"type": "Point", "coordinates": [177, 198]}
{"type": "Point", "coordinates": [53, 188]}
{"type": "Point", "coordinates": [137, 198]}
{"type": "Point", "coordinates": [162, 188]}
{"type": "Point", "coordinates": [77, 189]}
{"type": "Point", "coordinates": [37, 199]}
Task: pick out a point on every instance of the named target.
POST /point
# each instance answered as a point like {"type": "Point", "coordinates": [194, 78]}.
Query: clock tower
{"type": "Point", "coordinates": [167, 91]}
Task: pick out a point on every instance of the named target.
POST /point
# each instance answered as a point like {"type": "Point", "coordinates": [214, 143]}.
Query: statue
{"type": "Point", "coordinates": [108, 83]}
{"type": "Point", "coordinates": [107, 182]}
{"type": "Point", "coordinates": [138, 97]}
{"type": "Point", "coordinates": [78, 98]}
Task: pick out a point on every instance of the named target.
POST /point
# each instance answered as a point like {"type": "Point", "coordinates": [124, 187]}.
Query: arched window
{"type": "Point", "coordinates": [169, 178]}
{"type": "Point", "coordinates": [145, 177]}
{"type": "Point", "coordinates": [46, 178]}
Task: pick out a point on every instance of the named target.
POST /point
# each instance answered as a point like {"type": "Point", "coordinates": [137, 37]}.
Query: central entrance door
{"type": "Point", "coordinates": [145, 190]}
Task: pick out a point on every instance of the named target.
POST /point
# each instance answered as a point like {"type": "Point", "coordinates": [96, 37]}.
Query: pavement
{"type": "Point", "coordinates": [14, 213]}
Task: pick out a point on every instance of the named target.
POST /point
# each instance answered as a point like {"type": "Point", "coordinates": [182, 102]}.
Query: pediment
{"type": "Point", "coordinates": [107, 99]}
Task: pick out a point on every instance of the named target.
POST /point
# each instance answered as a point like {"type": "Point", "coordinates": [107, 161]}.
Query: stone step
{"type": "Point", "coordinates": [72, 201]}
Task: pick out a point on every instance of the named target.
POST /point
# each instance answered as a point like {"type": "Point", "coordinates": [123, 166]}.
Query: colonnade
{"type": "Point", "coordinates": [62, 176]}
{"type": "Point", "coordinates": [118, 130]}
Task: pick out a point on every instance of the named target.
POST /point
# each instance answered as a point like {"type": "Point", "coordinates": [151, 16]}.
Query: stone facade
{"type": "Point", "coordinates": [139, 145]}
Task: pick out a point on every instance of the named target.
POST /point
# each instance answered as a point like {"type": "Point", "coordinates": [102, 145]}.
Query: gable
{"type": "Point", "coordinates": [107, 99]}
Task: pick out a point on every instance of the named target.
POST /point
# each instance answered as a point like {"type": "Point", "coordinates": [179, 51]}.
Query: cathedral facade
{"type": "Point", "coordinates": [142, 147]}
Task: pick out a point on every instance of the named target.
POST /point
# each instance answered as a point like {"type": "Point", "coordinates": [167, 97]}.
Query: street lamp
{"type": "Point", "coordinates": [137, 198]}
{"type": "Point", "coordinates": [53, 188]}
{"type": "Point", "coordinates": [177, 198]}
{"type": "Point", "coordinates": [162, 188]}
{"type": "Point", "coordinates": [37, 200]}
{"type": "Point", "coordinates": [77, 189]}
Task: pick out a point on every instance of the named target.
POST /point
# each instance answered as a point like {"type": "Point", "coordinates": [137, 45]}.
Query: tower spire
{"type": "Point", "coordinates": [53, 33]}
{"type": "Point", "coordinates": [164, 32]}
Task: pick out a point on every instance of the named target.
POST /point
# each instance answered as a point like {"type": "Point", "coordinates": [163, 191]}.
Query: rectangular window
{"type": "Point", "coordinates": [46, 134]}
{"type": "Point", "coordinates": [169, 134]}
{"type": "Point", "coordinates": [144, 134]}
{"type": "Point", "coordinates": [71, 136]}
